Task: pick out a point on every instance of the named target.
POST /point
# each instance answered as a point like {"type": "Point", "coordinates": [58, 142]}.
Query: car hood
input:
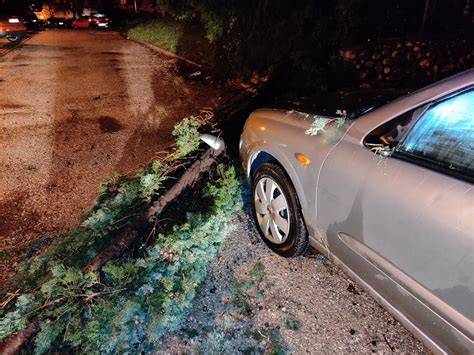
{"type": "Point", "coordinates": [284, 133]}
{"type": "Point", "coordinates": [295, 123]}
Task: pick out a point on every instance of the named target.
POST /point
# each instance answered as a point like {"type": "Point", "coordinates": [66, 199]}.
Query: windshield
{"type": "Point", "coordinates": [356, 103]}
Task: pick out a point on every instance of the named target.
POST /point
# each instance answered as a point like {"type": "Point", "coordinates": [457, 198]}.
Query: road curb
{"type": "Point", "coordinates": [163, 51]}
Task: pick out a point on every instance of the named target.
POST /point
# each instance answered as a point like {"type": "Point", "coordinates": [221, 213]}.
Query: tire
{"type": "Point", "coordinates": [277, 211]}
{"type": "Point", "coordinates": [14, 38]}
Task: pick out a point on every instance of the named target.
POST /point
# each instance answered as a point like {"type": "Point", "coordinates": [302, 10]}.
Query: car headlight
{"type": "Point", "coordinates": [13, 20]}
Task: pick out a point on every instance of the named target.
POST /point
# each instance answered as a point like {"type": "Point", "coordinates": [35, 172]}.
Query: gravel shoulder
{"type": "Point", "coordinates": [76, 107]}
{"type": "Point", "coordinates": [254, 301]}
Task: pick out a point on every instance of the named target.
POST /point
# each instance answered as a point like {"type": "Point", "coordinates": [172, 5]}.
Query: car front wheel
{"type": "Point", "coordinates": [277, 212]}
{"type": "Point", "coordinates": [14, 38]}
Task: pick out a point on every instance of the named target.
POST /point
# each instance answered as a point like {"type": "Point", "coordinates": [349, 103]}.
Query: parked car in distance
{"type": "Point", "coordinates": [100, 21]}
{"type": "Point", "coordinates": [12, 28]}
{"type": "Point", "coordinates": [386, 193]}
{"type": "Point", "coordinates": [81, 22]}
{"type": "Point", "coordinates": [54, 22]}
{"type": "Point", "coordinates": [93, 21]}
{"type": "Point", "coordinates": [31, 21]}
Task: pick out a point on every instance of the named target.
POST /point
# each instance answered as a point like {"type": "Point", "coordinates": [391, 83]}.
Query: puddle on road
{"type": "Point", "coordinates": [110, 53]}
{"type": "Point", "coordinates": [109, 124]}
{"type": "Point", "coordinates": [10, 106]}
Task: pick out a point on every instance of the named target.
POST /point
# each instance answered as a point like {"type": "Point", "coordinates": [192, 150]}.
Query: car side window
{"type": "Point", "coordinates": [443, 137]}
{"type": "Point", "coordinates": [388, 135]}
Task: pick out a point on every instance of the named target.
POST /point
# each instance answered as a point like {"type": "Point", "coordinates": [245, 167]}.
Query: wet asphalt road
{"type": "Point", "coordinates": [75, 107]}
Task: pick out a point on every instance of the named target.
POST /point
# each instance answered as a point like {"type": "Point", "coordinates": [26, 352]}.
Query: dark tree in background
{"type": "Point", "coordinates": [247, 37]}
{"type": "Point", "coordinates": [253, 35]}
{"type": "Point", "coordinates": [20, 5]}
{"type": "Point", "coordinates": [13, 5]}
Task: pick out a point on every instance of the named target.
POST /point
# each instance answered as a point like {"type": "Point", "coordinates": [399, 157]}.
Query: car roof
{"type": "Point", "coordinates": [416, 99]}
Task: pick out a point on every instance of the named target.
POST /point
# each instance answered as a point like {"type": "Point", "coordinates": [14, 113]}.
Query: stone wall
{"type": "Point", "coordinates": [406, 62]}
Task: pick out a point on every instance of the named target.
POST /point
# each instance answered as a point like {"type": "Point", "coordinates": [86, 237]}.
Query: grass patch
{"type": "Point", "coordinates": [290, 323]}
{"type": "Point", "coordinates": [163, 32]}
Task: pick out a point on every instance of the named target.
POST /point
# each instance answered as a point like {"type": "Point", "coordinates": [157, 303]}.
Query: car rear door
{"type": "Point", "coordinates": [405, 223]}
{"type": "Point", "coordinates": [83, 21]}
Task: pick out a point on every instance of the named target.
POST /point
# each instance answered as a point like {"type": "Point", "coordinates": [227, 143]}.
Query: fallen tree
{"type": "Point", "coordinates": [132, 300]}
{"type": "Point", "coordinates": [28, 320]}
{"type": "Point", "coordinates": [40, 313]}
{"type": "Point", "coordinates": [118, 246]}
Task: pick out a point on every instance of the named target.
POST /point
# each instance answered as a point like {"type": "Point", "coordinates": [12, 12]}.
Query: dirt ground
{"type": "Point", "coordinates": [75, 107]}
{"type": "Point", "coordinates": [254, 301]}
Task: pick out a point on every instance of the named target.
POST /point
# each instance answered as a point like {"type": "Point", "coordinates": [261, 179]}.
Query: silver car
{"type": "Point", "coordinates": [388, 196]}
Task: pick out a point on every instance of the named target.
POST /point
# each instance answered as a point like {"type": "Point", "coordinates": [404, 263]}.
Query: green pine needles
{"type": "Point", "coordinates": [120, 199]}
{"type": "Point", "coordinates": [320, 122]}
{"type": "Point", "coordinates": [187, 135]}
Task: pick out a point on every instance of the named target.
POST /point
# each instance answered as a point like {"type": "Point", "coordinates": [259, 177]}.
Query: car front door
{"type": "Point", "coordinates": [404, 223]}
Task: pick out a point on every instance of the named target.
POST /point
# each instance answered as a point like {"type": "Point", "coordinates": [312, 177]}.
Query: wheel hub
{"type": "Point", "coordinates": [272, 210]}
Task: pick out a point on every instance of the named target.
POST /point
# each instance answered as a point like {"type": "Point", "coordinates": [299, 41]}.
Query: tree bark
{"type": "Point", "coordinates": [12, 344]}
{"type": "Point", "coordinates": [186, 180]}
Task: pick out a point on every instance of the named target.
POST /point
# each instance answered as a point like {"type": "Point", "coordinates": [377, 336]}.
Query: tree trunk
{"type": "Point", "coordinates": [12, 344]}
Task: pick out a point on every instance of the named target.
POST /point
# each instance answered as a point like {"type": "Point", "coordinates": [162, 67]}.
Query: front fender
{"type": "Point", "coordinates": [286, 162]}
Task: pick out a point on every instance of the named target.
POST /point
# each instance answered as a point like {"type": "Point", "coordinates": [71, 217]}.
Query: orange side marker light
{"type": "Point", "coordinates": [303, 159]}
